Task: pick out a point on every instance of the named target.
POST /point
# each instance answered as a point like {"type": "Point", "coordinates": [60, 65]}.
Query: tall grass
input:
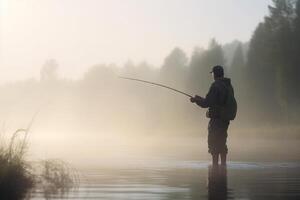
{"type": "Point", "coordinates": [16, 178]}
{"type": "Point", "coordinates": [19, 178]}
{"type": "Point", "coordinates": [55, 178]}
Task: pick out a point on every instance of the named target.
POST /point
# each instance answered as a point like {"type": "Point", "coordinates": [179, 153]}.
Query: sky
{"type": "Point", "coordinates": [82, 33]}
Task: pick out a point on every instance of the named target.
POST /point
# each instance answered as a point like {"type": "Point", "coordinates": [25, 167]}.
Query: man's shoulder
{"type": "Point", "coordinates": [222, 84]}
{"type": "Point", "coordinates": [217, 84]}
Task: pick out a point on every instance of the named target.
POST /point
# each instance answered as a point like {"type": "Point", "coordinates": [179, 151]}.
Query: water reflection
{"type": "Point", "coordinates": [217, 183]}
{"type": "Point", "coordinates": [190, 181]}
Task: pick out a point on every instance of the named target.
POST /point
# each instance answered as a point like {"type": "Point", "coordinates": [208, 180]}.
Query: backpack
{"type": "Point", "coordinates": [229, 108]}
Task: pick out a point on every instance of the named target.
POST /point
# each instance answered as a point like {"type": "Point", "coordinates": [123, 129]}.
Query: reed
{"type": "Point", "coordinates": [16, 177]}
{"type": "Point", "coordinates": [20, 178]}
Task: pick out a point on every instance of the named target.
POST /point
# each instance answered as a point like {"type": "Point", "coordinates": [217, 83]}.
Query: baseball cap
{"type": "Point", "coordinates": [217, 70]}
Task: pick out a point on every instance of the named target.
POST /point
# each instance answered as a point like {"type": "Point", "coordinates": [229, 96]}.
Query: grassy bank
{"type": "Point", "coordinates": [19, 178]}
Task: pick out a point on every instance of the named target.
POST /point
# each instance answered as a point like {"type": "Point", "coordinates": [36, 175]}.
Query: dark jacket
{"type": "Point", "coordinates": [216, 97]}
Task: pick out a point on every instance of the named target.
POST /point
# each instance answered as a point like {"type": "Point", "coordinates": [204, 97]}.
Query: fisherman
{"type": "Point", "coordinates": [222, 108]}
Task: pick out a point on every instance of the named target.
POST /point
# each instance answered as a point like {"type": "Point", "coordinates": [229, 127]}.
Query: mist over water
{"type": "Point", "coordinates": [131, 140]}
{"type": "Point", "coordinates": [102, 118]}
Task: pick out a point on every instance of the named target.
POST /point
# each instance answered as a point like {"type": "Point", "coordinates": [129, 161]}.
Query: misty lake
{"type": "Point", "coordinates": [161, 179]}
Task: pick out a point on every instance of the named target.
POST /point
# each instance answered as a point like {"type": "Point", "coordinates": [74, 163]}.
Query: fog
{"type": "Point", "coordinates": [81, 34]}
{"type": "Point", "coordinates": [85, 114]}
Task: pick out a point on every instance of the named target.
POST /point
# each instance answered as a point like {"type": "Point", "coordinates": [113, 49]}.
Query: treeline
{"type": "Point", "coordinates": [264, 73]}
{"type": "Point", "coordinates": [273, 65]}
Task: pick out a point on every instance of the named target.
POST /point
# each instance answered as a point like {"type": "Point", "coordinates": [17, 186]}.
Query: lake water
{"type": "Point", "coordinates": [189, 180]}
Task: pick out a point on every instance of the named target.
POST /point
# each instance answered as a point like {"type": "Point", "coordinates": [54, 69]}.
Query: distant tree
{"type": "Point", "coordinates": [271, 59]}
{"type": "Point", "coordinates": [129, 69]}
{"type": "Point", "coordinates": [49, 71]}
{"type": "Point", "coordinates": [295, 53]}
{"type": "Point", "coordinates": [297, 18]}
{"type": "Point", "coordinates": [99, 76]}
{"type": "Point", "coordinates": [237, 70]}
{"type": "Point", "coordinates": [174, 68]}
{"type": "Point", "coordinates": [201, 64]}
{"type": "Point", "coordinates": [142, 70]}
{"type": "Point", "coordinates": [195, 71]}
{"type": "Point", "coordinates": [296, 23]}
{"type": "Point", "coordinates": [238, 62]}
{"type": "Point", "coordinates": [297, 29]}
{"type": "Point", "coordinates": [147, 71]}
{"type": "Point", "coordinates": [229, 50]}
{"type": "Point", "coordinates": [280, 22]}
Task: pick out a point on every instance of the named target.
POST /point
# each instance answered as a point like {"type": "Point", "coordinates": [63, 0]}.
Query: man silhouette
{"type": "Point", "coordinates": [218, 98]}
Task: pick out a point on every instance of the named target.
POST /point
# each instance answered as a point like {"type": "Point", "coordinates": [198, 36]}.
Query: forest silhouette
{"type": "Point", "coordinates": [264, 73]}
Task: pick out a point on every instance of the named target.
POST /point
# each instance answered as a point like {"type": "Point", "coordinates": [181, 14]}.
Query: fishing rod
{"type": "Point", "coordinates": [157, 84]}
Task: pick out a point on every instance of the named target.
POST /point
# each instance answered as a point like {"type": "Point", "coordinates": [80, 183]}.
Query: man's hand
{"type": "Point", "coordinates": [192, 99]}
{"type": "Point", "coordinates": [195, 98]}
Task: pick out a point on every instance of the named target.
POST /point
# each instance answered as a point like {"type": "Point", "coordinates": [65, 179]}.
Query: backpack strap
{"type": "Point", "coordinates": [227, 91]}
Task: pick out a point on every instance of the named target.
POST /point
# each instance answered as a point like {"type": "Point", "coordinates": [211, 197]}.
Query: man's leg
{"type": "Point", "coordinates": [215, 159]}
{"type": "Point", "coordinates": [223, 140]}
{"type": "Point", "coordinates": [211, 140]}
{"type": "Point", "coordinates": [223, 158]}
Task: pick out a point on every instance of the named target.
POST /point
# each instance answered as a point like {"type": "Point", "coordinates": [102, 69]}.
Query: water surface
{"type": "Point", "coordinates": [189, 180]}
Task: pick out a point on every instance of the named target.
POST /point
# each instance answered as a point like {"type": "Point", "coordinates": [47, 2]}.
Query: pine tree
{"type": "Point", "coordinates": [173, 71]}
{"type": "Point", "coordinates": [201, 64]}
{"type": "Point", "coordinates": [270, 60]}
{"type": "Point", "coordinates": [237, 71]}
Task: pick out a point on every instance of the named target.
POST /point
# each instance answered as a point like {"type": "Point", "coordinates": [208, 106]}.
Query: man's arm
{"type": "Point", "coordinates": [209, 100]}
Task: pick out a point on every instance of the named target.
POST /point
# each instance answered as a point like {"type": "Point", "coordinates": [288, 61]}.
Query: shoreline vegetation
{"type": "Point", "coordinates": [20, 178]}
